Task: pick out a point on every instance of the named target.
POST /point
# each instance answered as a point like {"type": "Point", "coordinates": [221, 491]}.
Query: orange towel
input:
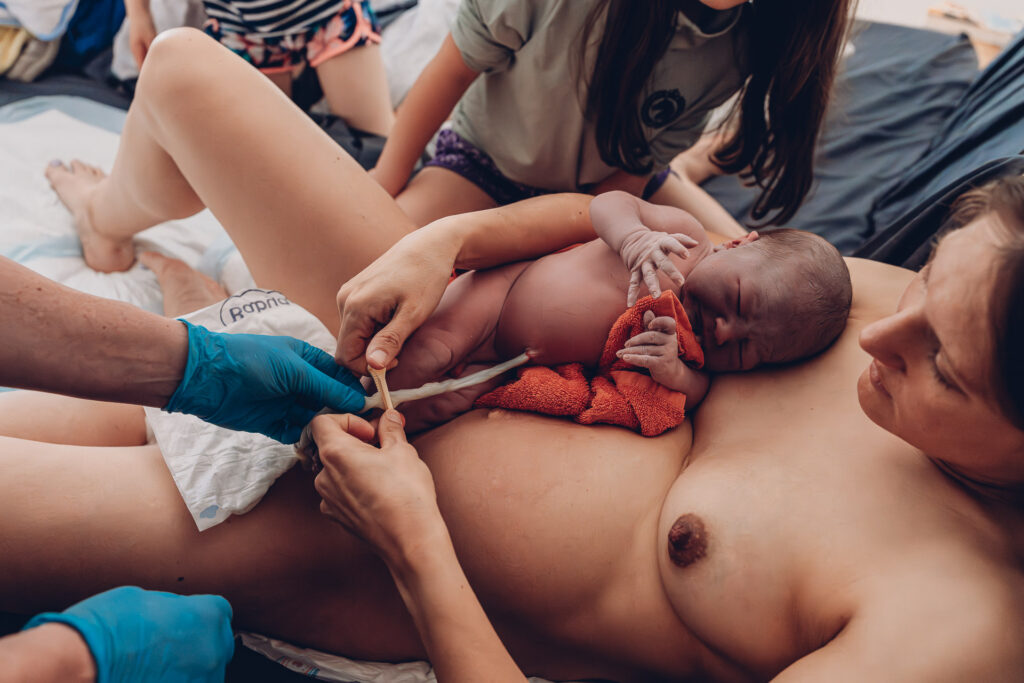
{"type": "Point", "coordinates": [618, 393]}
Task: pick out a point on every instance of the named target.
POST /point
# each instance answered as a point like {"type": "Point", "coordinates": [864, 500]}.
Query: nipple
{"type": "Point", "coordinates": [687, 540]}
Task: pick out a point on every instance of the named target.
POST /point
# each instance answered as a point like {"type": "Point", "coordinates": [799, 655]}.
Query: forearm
{"type": "Point", "coordinates": [427, 105]}
{"type": "Point", "coordinates": [51, 652]}
{"type": "Point", "coordinates": [617, 215]}
{"type": "Point", "coordinates": [136, 8]}
{"type": "Point", "coordinates": [60, 340]}
{"type": "Point", "coordinates": [524, 230]}
{"type": "Point", "coordinates": [460, 640]}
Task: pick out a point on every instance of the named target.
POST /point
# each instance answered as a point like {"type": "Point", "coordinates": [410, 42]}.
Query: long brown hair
{"type": "Point", "coordinates": [791, 54]}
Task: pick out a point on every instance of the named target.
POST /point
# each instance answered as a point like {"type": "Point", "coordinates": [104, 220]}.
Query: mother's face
{"type": "Point", "coordinates": [929, 381]}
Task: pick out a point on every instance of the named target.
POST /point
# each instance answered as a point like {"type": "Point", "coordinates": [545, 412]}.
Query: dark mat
{"type": "Point", "coordinates": [893, 96]}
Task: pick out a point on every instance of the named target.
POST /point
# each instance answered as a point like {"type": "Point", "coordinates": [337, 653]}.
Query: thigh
{"type": "Point", "coordinates": [436, 192]}
{"type": "Point", "coordinates": [356, 88]}
{"type": "Point", "coordinates": [75, 521]}
{"type": "Point", "coordinates": [74, 421]}
{"type": "Point", "coordinates": [305, 215]}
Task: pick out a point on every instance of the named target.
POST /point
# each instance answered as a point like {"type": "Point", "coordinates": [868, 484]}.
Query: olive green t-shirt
{"type": "Point", "coordinates": [526, 109]}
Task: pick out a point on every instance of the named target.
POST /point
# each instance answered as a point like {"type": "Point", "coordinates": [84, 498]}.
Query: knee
{"type": "Point", "coordinates": [175, 62]}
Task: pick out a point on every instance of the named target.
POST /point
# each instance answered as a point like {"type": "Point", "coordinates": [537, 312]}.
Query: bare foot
{"type": "Point", "coordinates": [185, 289]}
{"type": "Point", "coordinates": [74, 186]}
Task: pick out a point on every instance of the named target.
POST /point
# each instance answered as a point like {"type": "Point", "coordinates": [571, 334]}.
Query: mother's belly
{"type": "Point", "coordinates": [556, 523]}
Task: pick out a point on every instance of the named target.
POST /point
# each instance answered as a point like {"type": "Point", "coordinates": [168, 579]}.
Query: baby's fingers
{"type": "Point", "coordinates": [648, 343]}
{"type": "Point", "coordinates": [634, 288]}
{"type": "Point", "coordinates": [685, 243]}
{"type": "Point", "coordinates": [665, 324]}
{"type": "Point", "coordinates": [651, 279]}
{"type": "Point", "coordinates": [641, 360]}
{"type": "Point", "coordinates": [666, 266]}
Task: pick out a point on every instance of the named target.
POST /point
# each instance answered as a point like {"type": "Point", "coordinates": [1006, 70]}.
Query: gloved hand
{"type": "Point", "coordinates": [260, 383]}
{"type": "Point", "coordinates": [137, 635]}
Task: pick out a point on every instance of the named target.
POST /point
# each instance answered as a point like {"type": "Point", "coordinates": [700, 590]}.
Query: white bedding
{"type": "Point", "coordinates": [36, 230]}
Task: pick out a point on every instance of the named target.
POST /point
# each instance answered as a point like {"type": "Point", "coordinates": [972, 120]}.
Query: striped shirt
{"type": "Point", "coordinates": [271, 18]}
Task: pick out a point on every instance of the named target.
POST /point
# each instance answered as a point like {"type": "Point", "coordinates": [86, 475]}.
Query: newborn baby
{"type": "Point", "coordinates": [771, 298]}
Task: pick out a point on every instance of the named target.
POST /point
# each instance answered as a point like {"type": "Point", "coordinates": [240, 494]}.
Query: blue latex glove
{"type": "Point", "coordinates": [137, 635]}
{"type": "Point", "coordinates": [260, 383]}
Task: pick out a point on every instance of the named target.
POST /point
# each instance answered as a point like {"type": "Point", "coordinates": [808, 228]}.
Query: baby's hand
{"type": "Point", "coordinates": [645, 251]}
{"type": "Point", "coordinates": [657, 349]}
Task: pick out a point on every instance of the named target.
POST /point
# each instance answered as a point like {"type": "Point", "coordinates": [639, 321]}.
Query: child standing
{"type": "Point", "coordinates": [596, 95]}
{"type": "Point", "coordinates": [278, 38]}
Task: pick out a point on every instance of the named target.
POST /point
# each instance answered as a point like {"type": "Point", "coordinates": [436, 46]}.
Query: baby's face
{"type": "Point", "coordinates": [735, 298]}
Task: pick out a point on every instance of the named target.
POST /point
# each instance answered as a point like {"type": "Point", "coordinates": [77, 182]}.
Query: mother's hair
{"type": "Point", "coordinates": [1003, 199]}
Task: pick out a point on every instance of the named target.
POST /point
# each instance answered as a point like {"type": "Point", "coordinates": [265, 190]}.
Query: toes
{"type": "Point", "coordinates": [153, 260]}
{"type": "Point", "coordinates": [55, 169]}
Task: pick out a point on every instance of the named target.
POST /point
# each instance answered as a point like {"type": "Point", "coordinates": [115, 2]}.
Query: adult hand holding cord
{"type": "Point", "coordinates": [385, 303]}
{"type": "Point", "coordinates": [385, 495]}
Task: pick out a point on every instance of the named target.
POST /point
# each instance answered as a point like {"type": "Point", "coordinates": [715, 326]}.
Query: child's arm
{"type": "Point", "coordinates": [637, 231]}
{"type": "Point", "coordinates": [657, 349]}
{"type": "Point", "coordinates": [430, 101]}
{"type": "Point", "coordinates": [141, 30]}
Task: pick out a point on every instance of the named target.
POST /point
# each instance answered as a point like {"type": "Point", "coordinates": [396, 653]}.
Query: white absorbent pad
{"type": "Point", "coordinates": [220, 472]}
{"type": "Point", "coordinates": [37, 231]}
{"type": "Point", "coordinates": [326, 667]}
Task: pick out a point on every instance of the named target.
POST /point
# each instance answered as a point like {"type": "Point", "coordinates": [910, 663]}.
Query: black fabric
{"type": "Point", "coordinates": [986, 125]}
{"type": "Point", "coordinates": [893, 95]}
{"type": "Point", "coordinates": [909, 240]}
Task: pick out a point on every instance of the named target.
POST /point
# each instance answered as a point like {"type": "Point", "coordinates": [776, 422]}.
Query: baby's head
{"type": "Point", "coordinates": [770, 298]}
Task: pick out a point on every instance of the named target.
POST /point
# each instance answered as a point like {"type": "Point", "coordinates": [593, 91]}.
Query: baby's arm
{"type": "Point", "coordinates": [644, 234]}
{"type": "Point", "coordinates": [657, 349]}
{"type": "Point", "coordinates": [430, 101]}
{"type": "Point", "coordinates": [141, 30]}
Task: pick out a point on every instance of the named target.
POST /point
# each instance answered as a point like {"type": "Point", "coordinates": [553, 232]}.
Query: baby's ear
{"type": "Point", "coordinates": [746, 239]}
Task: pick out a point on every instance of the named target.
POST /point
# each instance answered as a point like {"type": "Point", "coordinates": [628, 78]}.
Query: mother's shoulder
{"type": "Point", "coordinates": [877, 288]}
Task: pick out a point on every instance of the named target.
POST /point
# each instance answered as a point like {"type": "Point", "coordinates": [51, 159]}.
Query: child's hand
{"type": "Point", "coordinates": [141, 33]}
{"type": "Point", "coordinates": [657, 349]}
{"type": "Point", "coordinates": [645, 252]}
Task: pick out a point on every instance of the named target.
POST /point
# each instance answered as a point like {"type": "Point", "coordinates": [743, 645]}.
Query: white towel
{"type": "Point", "coordinates": [45, 19]}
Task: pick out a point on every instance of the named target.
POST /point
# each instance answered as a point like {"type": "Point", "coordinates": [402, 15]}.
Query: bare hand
{"type": "Point", "coordinates": [645, 252]}
{"type": "Point", "coordinates": [657, 349]}
{"type": "Point", "coordinates": [141, 33]}
{"type": "Point", "coordinates": [383, 495]}
{"type": "Point", "coordinates": [385, 303]}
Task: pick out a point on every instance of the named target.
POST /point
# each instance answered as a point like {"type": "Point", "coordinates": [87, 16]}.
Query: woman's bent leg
{"type": "Point", "coordinates": [437, 192]}
{"type": "Point", "coordinates": [207, 129]}
{"type": "Point", "coordinates": [75, 521]}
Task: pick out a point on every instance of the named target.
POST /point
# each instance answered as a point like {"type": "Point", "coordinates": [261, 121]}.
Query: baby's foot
{"type": "Point", "coordinates": [185, 289]}
{"type": "Point", "coordinates": [74, 187]}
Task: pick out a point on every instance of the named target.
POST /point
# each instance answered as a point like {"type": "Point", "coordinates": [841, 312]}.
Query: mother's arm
{"type": "Point", "coordinates": [386, 496]}
{"type": "Point", "coordinates": [381, 306]}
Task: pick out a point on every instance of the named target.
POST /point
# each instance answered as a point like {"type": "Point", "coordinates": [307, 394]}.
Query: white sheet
{"type": "Point", "coordinates": [36, 230]}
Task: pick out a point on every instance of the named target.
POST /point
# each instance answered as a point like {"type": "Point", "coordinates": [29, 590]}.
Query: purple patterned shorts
{"type": "Point", "coordinates": [458, 155]}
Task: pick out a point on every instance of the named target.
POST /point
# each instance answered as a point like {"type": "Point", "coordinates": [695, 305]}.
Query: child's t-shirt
{"type": "Point", "coordinates": [527, 110]}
